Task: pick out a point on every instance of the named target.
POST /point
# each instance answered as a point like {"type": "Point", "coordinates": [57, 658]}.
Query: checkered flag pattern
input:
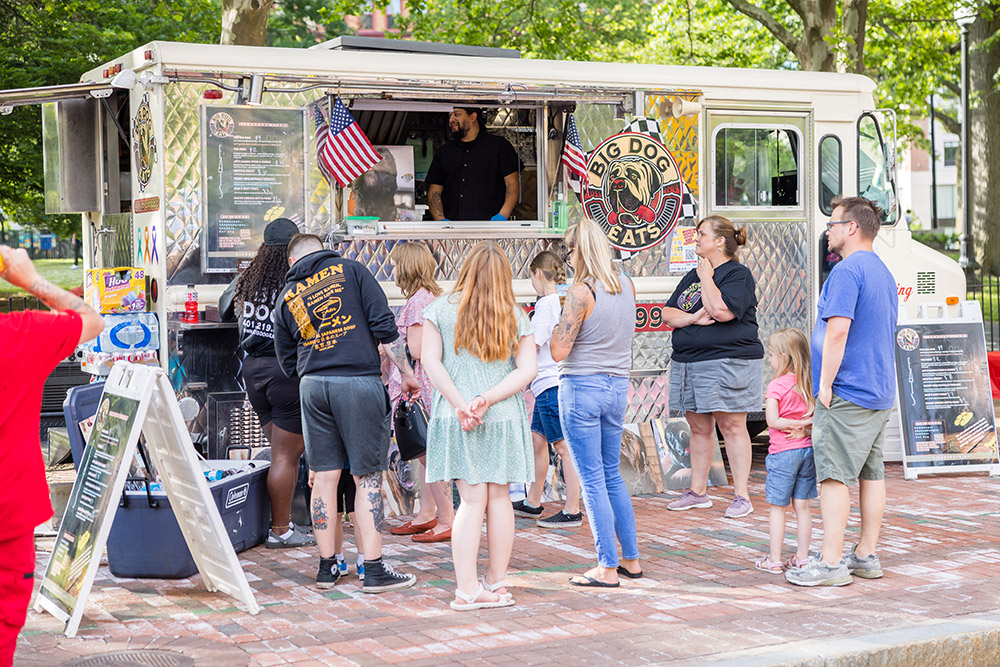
{"type": "Point", "coordinates": [689, 204]}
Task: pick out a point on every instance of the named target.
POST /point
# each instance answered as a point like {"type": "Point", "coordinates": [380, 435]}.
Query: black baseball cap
{"type": "Point", "coordinates": [280, 232]}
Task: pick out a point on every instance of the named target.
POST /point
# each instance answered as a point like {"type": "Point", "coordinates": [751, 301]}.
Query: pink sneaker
{"type": "Point", "coordinates": [740, 507]}
{"type": "Point", "coordinates": [690, 500]}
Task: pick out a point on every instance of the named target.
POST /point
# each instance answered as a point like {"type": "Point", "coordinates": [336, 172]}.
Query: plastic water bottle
{"type": "Point", "coordinates": [191, 306]}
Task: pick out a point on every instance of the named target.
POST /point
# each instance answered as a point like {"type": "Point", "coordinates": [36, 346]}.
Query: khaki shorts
{"type": "Point", "coordinates": [847, 441]}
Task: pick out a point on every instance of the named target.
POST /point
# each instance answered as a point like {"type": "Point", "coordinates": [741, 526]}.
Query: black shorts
{"type": "Point", "coordinates": [274, 396]}
{"type": "Point", "coordinates": [346, 490]}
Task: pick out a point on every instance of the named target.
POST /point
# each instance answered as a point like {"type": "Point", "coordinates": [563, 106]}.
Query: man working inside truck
{"type": "Point", "coordinates": [475, 175]}
{"type": "Point", "coordinates": [32, 343]}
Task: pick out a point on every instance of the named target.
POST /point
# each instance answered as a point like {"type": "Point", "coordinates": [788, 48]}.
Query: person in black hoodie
{"type": "Point", "coordinates": [331, 321]}
{"type": "Point", "coordinates": [273, 395]}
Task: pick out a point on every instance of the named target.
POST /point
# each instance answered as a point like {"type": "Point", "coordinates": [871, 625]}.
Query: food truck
{"type": "Point", "coordinates": [177, 156]}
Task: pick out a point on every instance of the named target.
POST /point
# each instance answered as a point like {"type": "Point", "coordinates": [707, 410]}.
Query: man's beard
{"type": "Point", "coordinates": [459, 134]}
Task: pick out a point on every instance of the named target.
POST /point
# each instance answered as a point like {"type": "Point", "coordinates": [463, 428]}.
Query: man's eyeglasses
{"type": "Point", "coordinates": [830, 225]}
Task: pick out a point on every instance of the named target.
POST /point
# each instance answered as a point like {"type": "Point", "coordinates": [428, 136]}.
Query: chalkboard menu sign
{"type": "Point", "coordinates": [92, 504]}
{"type": "Point", "coordinates": [944, 394]}
{"type": "Point", "coordinates": [253, 164]}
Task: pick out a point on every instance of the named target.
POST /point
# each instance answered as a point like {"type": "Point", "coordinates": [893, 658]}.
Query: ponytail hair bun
{"type": "Point", "coordinates": [741, 236]}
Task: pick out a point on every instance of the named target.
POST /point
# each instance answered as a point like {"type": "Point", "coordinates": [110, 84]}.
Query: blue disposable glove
{"type": "Point", "coordinates": [444, 220]}
{"type": "Point", "coordinates": [499, 216]}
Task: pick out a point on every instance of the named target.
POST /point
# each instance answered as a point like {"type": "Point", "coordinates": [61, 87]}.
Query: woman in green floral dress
{"type": "Point", "coordinates": [479, 352]}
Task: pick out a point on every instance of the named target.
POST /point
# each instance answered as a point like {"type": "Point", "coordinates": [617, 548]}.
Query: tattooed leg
{"type": "Point", "coordinates": [324, 510]}
{"type": "Point", "coordinates": [320, 519]}
{"type": "Point", "coordinates": [370, 513]}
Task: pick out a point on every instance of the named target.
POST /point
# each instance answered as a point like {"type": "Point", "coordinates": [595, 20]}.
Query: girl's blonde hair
{"type": "Point", "coordinates": [793, 348]}
{"type": "Point", "coordinates": [551, 266]}
{"type": "Point", "coordinates": [486, 324]}
{"type": "Point", "coordinates": [593, 255]}
{"type": "Point", "coordinates": [415, 267]}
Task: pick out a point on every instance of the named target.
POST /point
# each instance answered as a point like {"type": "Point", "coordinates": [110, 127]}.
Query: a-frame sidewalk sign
{"type": "Point", "coordinates": [136, 399]}
{"type": "Point", "coordinates": [944, 400]}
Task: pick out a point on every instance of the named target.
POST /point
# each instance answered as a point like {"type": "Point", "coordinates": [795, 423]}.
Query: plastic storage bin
{"type": "Point", "coordinates": [81, 403]}
{"type": "Point", "coordinates": [146, 542]}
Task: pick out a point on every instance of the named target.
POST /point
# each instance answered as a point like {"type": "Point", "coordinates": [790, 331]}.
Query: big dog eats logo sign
{"type": "Point", "coordinates": [634, 191]}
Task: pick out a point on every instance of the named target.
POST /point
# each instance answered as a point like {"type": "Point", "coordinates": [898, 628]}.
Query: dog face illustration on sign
{"type": "Point", "coordinates": [634, 191]}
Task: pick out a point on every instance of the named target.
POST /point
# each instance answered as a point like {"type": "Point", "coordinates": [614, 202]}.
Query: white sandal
{"type": "Point", "coordinates": [471, 604]}
{"type": "Point", "coordinates": [493, 588]}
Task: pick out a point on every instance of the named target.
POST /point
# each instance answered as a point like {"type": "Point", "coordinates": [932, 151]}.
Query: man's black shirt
{"type": "Point", "coordinates": [472, 173]}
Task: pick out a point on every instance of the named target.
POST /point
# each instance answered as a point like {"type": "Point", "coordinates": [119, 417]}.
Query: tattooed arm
{"type": "Point", "coordinates": [578, 307]}
{"type": "Point", "coordinates": [512, 191]}
{"type": "Point", "coordinates": [20, 272]}
{"type": "Point", "coordinates": [396, 353]}
{"type": "Point", "coordinates": [434, 201]}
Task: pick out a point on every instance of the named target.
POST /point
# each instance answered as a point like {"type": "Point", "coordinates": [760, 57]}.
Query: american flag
{"type": "Point", "coordinates": [572, 155]}
{"type": "Point", "coordinates": [342, 149]}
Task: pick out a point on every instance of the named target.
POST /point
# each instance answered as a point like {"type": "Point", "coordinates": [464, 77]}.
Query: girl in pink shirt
{"type": "Point", "coordinates": [791, 473]}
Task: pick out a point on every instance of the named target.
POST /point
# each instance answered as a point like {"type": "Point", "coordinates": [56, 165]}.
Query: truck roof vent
{"type": "Point", "coordinates": [355, 43]}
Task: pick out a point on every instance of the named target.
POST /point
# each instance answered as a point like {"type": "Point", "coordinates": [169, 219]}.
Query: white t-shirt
{"type": "Point", "coordinates": [544, 321]}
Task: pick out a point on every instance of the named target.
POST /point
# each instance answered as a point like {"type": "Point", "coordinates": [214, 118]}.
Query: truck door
{"type": "Point", "coordinates": [758, 174]}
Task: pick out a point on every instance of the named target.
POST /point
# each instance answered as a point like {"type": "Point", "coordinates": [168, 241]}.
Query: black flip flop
{"type": "Point", "coordinates": [591, 583]}
{"type": "Point", "coordinates": [631, 575]}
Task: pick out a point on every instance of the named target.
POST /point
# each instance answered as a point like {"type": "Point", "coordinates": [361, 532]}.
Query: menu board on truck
{"type": "Point", "coordinates": [944, 395]}
{"type": "Point", "coordinates": [253, 171]}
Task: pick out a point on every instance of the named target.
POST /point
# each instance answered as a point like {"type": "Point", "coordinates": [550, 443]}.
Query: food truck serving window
{"type": "Point", "coordinates": [757, 166]}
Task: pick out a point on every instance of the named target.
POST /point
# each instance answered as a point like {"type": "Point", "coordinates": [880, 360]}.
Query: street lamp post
{"type": "Point", "coordinates": [965, 17]}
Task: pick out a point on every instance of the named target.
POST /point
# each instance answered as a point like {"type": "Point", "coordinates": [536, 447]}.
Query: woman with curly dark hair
{"type": "Point", "coordinates": [249, 300]}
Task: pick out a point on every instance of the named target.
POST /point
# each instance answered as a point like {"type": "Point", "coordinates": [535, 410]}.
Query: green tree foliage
{"type": "Point", "coordinates": [551, 29]}
{"type": "Point", "coordinates": [298, 24]}
{"type": "Point", "coordinates": [53, 42]}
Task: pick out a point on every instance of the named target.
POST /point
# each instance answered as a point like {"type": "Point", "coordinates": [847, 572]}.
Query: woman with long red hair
{"type": "Point", "coordinates": [479, 351]}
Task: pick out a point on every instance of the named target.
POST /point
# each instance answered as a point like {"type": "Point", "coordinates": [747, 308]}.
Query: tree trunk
{"type": "Point", "coordinates": [853, 20]}
{"type": "Point", "coordinates": [244, 22]}
{"type": "Point", "coordinates": [985, 139]}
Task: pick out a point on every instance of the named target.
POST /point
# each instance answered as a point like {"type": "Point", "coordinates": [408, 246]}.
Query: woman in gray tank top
{"type": "Point", "coordinates": [593, 343]}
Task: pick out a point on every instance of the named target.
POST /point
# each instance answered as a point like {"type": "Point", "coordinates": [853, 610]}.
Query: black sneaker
{"type": "Point", "coordinates": [328, 573]}
{"type": "Point", "coordinates": [380, 577]}
{"type": "Point", "coordinates": [522, 508]}
{"type": "Point", "coordinates": [562, 519]}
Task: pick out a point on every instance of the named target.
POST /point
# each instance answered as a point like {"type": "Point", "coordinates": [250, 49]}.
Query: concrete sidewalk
{"type": "Point", "coordinates": [702, 601]}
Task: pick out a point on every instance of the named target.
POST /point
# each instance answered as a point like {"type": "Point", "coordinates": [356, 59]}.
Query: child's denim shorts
{"type": "Point", "coordinates": [790, 474]}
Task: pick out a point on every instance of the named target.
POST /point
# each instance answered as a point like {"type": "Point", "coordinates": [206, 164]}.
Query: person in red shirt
{"type": "Point", "coordinates": [32, 343]}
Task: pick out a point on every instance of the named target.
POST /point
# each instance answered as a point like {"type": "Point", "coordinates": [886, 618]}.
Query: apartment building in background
{"type": "Point", "coordinates": [915, 180]}
{"type": "Point", "coordinates": [377, 22]}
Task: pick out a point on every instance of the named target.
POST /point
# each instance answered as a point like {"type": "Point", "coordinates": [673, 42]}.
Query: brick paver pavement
{"type": "Point", "coordinates": [701, 596]}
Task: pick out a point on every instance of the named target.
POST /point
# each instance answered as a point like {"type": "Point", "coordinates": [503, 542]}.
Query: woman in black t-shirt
{"type": "Point", "coordinates": [717, 368]}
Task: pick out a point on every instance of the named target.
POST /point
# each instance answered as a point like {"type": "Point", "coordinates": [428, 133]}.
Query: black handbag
{"type": "Point", "coordinates": [411, 429]}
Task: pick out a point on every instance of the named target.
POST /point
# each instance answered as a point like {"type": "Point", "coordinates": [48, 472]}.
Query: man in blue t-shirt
{"type": "Point", "coordinates": [854, 379]}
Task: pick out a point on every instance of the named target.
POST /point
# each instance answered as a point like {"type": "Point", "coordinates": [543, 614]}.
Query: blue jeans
{"type": "Point", "coordinates": [592, 412]}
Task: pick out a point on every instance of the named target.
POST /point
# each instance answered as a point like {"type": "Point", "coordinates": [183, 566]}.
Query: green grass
{"type": "Point", "coordinates": [58, 271]}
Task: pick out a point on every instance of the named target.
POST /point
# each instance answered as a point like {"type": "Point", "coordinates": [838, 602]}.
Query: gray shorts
{"type": "Point", "coordinates": [717, 385]}
{"type": "Point", "coordinates": [847, 441]}
{"type": "Point", "coordinates": [345, 419]}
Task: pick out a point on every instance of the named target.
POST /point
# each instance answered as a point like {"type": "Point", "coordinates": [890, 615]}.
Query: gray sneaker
{"type": "Point", "coordinates": [293, 541]}
{"type": "Point", "coordinates": [866, 568]}
{"type": "Point", "coordinates": [818, 573]}
{"type": "Point", "coordinates": [690, 500]}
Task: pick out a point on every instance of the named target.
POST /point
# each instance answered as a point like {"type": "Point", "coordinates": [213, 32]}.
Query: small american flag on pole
{"type": "Point", "coordinates": [572, 154]}
{"type": "Point", "coordinates": [342, 149]}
